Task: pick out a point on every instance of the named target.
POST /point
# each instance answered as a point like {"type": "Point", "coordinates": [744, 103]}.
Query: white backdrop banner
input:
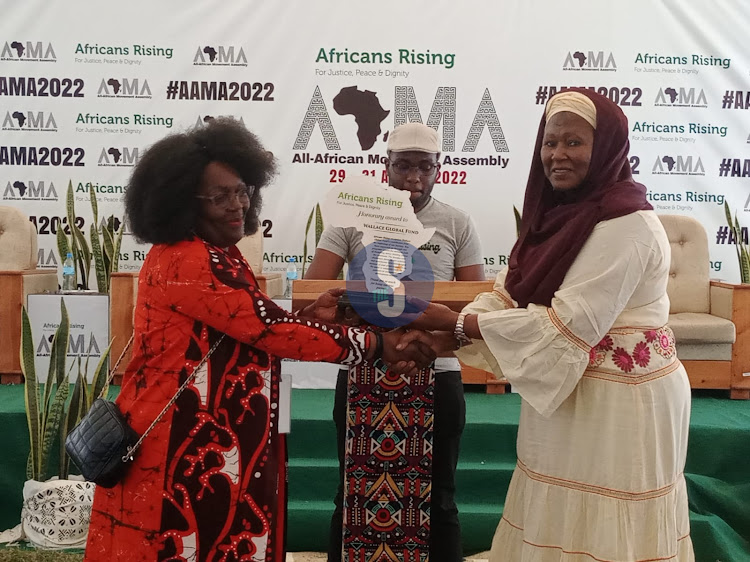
{"type": "Point", "coordinates": [86, 86]}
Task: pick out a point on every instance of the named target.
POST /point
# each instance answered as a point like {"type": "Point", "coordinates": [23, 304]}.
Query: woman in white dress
{"type": "Point", "coordinates": [577, 324]}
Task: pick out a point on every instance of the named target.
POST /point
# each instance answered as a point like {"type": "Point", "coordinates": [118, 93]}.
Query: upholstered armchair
{"type": "Point", "coordinates": [709, 318]}
{"type": "Point", "coordinates": [18, 278]}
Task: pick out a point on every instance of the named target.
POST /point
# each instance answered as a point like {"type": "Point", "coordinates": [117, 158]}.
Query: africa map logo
{"type": "Point", "coordinates": [20, 120]}
{"type": "Point", "coordinates": [28, 51]}
{"type": "Point", "coordinates": [369, 114]}
{"type": "Point", "coordinates": [219, 55]}
{"type": "Point", "coordinates": [363, 105]}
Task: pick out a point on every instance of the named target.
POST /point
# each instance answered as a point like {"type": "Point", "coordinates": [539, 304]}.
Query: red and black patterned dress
{"type": "Point", "coordinates": [208, 482]}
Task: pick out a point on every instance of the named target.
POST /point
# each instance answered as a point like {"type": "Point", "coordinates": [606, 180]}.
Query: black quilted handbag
{"type": "Point", "coordinates": [103, 444]}
{"type": "Point", "coordinates": [100, 445]}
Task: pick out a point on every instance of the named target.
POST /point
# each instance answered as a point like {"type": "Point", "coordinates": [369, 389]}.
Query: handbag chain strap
{"type": "Point", "coordinates": [117, 364]}
{"type": "Point", "coordinates": [131, 450]}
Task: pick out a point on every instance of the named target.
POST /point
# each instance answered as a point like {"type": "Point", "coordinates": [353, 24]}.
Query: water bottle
{"type": "Point", "coordinates": [291, 276]}
{"type": "Point", "coordinates": [69, 273]}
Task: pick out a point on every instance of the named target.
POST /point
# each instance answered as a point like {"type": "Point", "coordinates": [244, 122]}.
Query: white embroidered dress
{"type": "Point", "coordinates": [603, 432]}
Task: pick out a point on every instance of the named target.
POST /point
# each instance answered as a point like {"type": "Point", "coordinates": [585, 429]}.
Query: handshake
{"type": "Point", "coordinates": [428, 335]}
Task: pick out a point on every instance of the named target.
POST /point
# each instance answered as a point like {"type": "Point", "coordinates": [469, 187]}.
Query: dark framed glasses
{"type": "Point", "coordinates": [423, 168]}
{"type": "Point", "coordinates": [243, 193]}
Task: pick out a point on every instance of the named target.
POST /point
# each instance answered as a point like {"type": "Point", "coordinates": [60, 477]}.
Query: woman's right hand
{"type": "Point", "coordinates": [327, 309]}
{"type": "Point", "coordinates": [444, 344]}
{"type": "Point", "coordinates": [405, 351]}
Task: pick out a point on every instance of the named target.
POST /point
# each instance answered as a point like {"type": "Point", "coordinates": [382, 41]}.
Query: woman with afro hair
{"type": "Point", "coordinates": [208, 482]}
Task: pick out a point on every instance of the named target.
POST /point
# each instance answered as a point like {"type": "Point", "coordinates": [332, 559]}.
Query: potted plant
{"type": "Point", "coordinates": [318, 232]}
{"type": "Point", "coordinates": [56, 506]}
{"type": "Point", "coordinates": [517, 216]}
{"type": "Point", "coordinates": [739, 237]}
{"type": "Point", "coordinates": [319, 227]}
{"type": "Point", "coordinates": [104, 251]}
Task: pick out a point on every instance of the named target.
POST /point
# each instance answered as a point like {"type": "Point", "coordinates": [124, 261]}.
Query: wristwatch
{"type": "Point", "coordinates": [458, 331]}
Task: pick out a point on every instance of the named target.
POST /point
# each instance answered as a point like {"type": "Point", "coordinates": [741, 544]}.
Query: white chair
{"type": "Point", "coordinates": [19, 277]}
{"type": "Point", "coordinates": [709, 318]}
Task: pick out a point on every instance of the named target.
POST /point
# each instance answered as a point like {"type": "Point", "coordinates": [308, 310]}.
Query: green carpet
{"type": "Point", "coordinates": [717, 472]}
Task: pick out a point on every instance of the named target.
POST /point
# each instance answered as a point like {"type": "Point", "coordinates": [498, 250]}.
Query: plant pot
{"type": "Point", "coordinates": [56, 513]}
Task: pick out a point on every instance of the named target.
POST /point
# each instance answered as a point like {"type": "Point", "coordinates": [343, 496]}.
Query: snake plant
{"type": "Point", "coordinates": [51, 409]}
{"type": "Point", "coordinates": [517, 216]}
{"type": "Point", "coordinates": [104, 251]}
{"type": "Point", "coordinates": [740, 244]}
{"type": "Point", "coordinates": [318, 232]}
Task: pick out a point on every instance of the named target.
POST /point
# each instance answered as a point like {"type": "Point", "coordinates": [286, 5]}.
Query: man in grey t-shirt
{"type": "Point", "coordinates": [454, 252]}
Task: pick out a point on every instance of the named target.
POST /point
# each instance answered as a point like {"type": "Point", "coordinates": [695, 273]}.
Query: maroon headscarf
{"type": "Point", "coordinates": [555, 225]}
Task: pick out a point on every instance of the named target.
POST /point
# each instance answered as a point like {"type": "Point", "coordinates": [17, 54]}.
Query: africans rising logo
{"type": "Point", "coordinates": [28, 51]}
{"type": "Point", "coordinates": [219, 55]}
{"type": "Point", "coordinates": [590, 60]}
{"type": "Point", "coordinates": [124, 88]}
{"type": "Point", "coordinates": [19, 120]}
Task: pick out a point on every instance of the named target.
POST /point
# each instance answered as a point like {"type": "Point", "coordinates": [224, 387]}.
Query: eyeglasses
{"type": "Point", "coordinates": [423, 168]}
{"type": "Point", "coordinates": [243, 193]}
